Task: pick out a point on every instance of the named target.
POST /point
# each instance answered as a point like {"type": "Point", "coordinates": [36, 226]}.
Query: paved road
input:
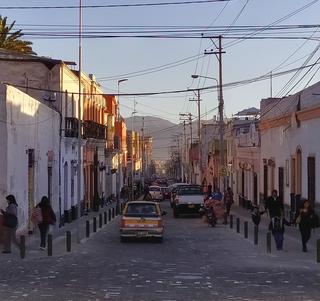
{"type": "Point", "coordinates": [194, 262]}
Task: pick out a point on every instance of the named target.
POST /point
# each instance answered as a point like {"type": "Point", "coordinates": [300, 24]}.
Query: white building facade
{"type": "Point", "coordinates": [290, 148]}
{"type": "Point", "coordinates": [29, 153]}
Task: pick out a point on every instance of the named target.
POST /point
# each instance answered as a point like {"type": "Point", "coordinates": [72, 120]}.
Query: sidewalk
{"type": "Point", "coordinates": [108, 214]}
{"type": "Point", "coordinates": [292, 239]}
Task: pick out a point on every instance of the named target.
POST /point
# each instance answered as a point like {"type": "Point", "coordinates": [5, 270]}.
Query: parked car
{"type": "Point", "coordinates": [188, 199]}
{"type": "Point", "coordinates": [141, 219]}
{"type": "Point", "coordinates": [155, 192]}
{"type": "Point", "coordinates": [173, 190]}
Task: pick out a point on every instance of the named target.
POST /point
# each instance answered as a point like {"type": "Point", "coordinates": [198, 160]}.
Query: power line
{"type": "Point", "coordinates": [112, 5]}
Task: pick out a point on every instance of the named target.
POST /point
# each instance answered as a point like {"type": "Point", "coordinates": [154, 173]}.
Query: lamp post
{"type": "Point", "coordinates": [132, 164]}
{"type": "Point", "coordinates": [120, 174]}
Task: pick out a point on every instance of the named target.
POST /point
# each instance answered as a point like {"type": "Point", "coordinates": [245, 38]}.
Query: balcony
{"type": "Point", "coordinates": [71, 127]}
{"type": "Point", "coordinates": [91, 129]}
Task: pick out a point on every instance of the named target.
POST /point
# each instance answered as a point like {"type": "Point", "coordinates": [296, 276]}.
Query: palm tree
{"type": "Point", "coordinates": [11, 40]}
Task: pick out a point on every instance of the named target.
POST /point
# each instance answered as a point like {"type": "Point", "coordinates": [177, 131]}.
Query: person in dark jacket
{"type": "Point", "coordinates": [274, 205]}
{"type": "Point", "coordinates": [10, 216]}
{"type": "Point", "coordinates": [48, 218]}
{"type": "Point", "coordinates": [304, 218]}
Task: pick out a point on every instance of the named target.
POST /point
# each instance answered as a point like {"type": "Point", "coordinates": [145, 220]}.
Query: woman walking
{"type": "Point", "coordinates": [10, 217]}
{"type": "Point", "coordinates": [48, 218]}
{"type": "Point", "coordinates": [305, 220]}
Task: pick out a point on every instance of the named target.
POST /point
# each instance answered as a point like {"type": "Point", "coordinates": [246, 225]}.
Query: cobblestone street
{"type": "Point", "coordinates": [194, 262]}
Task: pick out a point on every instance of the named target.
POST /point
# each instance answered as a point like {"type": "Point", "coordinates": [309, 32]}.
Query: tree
{"type": "Point", "coordinates": [10, 40]}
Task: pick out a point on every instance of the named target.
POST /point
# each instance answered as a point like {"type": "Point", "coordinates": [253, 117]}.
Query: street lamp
{"type": "Point", "coordinates": [119, 82]}
{"type": "Point", "coordinates": [195, 76]}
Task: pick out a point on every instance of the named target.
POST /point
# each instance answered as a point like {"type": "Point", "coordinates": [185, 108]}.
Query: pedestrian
{"type": "Point", "coordinates": [274, 206]}
{"type": "Point", "coordinates": [305, 219]}
{"type": "Point", "coordinates": [276, 226]}
{"type": "Point", "coordinates": [10, 219]}
{"type": "Point", "coordinates": [48, 218]}
{"type": "Point", "coordinates": [228, 201]}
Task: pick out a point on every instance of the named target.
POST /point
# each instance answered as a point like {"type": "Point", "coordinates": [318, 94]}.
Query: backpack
{"type": "Point", "coordinates": [36, 216]}
{"type": "Point", "coordinates": [10, 220]}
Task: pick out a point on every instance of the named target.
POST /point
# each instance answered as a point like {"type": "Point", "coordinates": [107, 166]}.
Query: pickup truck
{"type": "Point", "coordinates": [188, 199]}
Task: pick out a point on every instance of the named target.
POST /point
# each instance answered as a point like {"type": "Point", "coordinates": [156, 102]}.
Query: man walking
{"type": "Point", "coordinates": [274, 207]}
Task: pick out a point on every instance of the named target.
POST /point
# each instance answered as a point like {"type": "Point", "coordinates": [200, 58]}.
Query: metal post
{"type": "Point", "coordinates": [94, 224]}
{"type": "Point", "coordinates": [318, 250]}
{"type": "Point", "coordinates": [68, 241]}
{"type": "Point", "coordinates": [238, 225]}
{"type": "Point", "coordinates": [105, 217]}
{"type": "Point", "coordinates": [231, 221]}
{"type": "Point", "coordinates": [87, 228]}
{"type": "Point", "coordinates": [22, 246]}
{"type": "Point", "coordinates": [100, 220]}
{"type": "Point", "coordinates": [269, 242]}
{"type": "Point", "coordinates": [245, 229]}
{"type": "Point", "coordinates": [256, 235]}
{"type": "Point", "coordinates": [49, 244]}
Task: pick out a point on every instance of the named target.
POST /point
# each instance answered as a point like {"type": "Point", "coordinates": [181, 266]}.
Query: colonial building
{"type": "Point", "coordinates": [29, 153]}
{"type": "Point", "coordinates": [290, 149]}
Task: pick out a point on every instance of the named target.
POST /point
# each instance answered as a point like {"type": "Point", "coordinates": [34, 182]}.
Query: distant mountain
{"type": "Point", "coordinates": [162, 131]}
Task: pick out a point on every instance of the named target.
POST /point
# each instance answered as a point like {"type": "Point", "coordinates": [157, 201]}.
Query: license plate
{"type": "Point", "coordinates": [142, 234]}
{"type": "Point", "coordinates": [191, 206]}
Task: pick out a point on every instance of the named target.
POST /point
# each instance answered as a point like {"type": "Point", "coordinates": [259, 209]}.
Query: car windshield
{"type": "Point", "coordinates": [141, 209]}
{"type": "Point", "coordinates": [190, 191]}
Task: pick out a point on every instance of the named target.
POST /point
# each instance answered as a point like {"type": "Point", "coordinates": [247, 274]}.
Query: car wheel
{"type": "Point", "coordinates": [123, 239]}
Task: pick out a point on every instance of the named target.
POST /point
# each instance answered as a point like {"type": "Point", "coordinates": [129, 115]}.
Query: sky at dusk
{"type": "Point", "coordinates": [112, 59]}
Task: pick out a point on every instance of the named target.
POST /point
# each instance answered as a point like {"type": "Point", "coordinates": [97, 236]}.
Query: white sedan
{"type": "Point", "coordinates": [155, 192]}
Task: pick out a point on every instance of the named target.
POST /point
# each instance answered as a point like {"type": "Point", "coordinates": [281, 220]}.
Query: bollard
{"type": "Point", "coordinates": [238, 224]}
{"type": "Point", "coordinates": [269, 242]}
{"type": "Point", "coordinates": [231, 221]}
{"type": "Point", "coordinates": [109, 212]}
{"type": "Point", "coordinates": [87, 228]}
{"type": "Point", "coordinates": [113, 213]}
{"type": "Point", "coordinates": [100, 220]}
{"type": "Point", "coordinates": [22, 246]}
{"type": "Point", "coordinates": [68, 241]}
{"type": "Point", "coordinates": [255, 238]}
{"type": "Point", "coordinates": [318, 250]}
{"type": "Point", "coordinates": [105, 217]}
{"type": "Point", "coordinates": [49, 244]}
{"type": "Point", "coordinates": [245, 229]}
{"type": "Point", "coordinates": [94, 224]}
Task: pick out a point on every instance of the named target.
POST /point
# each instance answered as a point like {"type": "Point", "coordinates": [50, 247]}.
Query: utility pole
{"type": "Point", "coordinates": [79, 125]}
{"type": "Point", "coordinates": [132, 163]}
{"type": "Point", "coordinates": [142, 152]}
{"type": "Point", "coordinates": [218, 55]}
{"type": "Point", "coordinates": [199, 135]}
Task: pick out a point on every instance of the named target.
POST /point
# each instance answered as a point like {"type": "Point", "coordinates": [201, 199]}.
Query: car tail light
{"type": "Point", "coordinates": [160, 224]}
{"type": "Point", "coordinates": [123, 223]}
{"type": "Point", "coordinates": [176, 200]}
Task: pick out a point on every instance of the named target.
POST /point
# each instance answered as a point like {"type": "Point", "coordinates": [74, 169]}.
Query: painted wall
{"type": "Point", "coordinates": [29, 125]}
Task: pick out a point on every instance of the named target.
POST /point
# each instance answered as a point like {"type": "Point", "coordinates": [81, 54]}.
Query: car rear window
{"type": "Point", "coordinates": [154, 189]}
{"type": "Point", "coordinates": [140, 209]}
{"type": "Point", "coordinates": [190, 191]}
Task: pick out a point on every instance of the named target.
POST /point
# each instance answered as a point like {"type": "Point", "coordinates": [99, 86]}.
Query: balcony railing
{"type": "Point", "coordinates": [91, 129]}
{"type": "Point", "coordinates": [71, 127]}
